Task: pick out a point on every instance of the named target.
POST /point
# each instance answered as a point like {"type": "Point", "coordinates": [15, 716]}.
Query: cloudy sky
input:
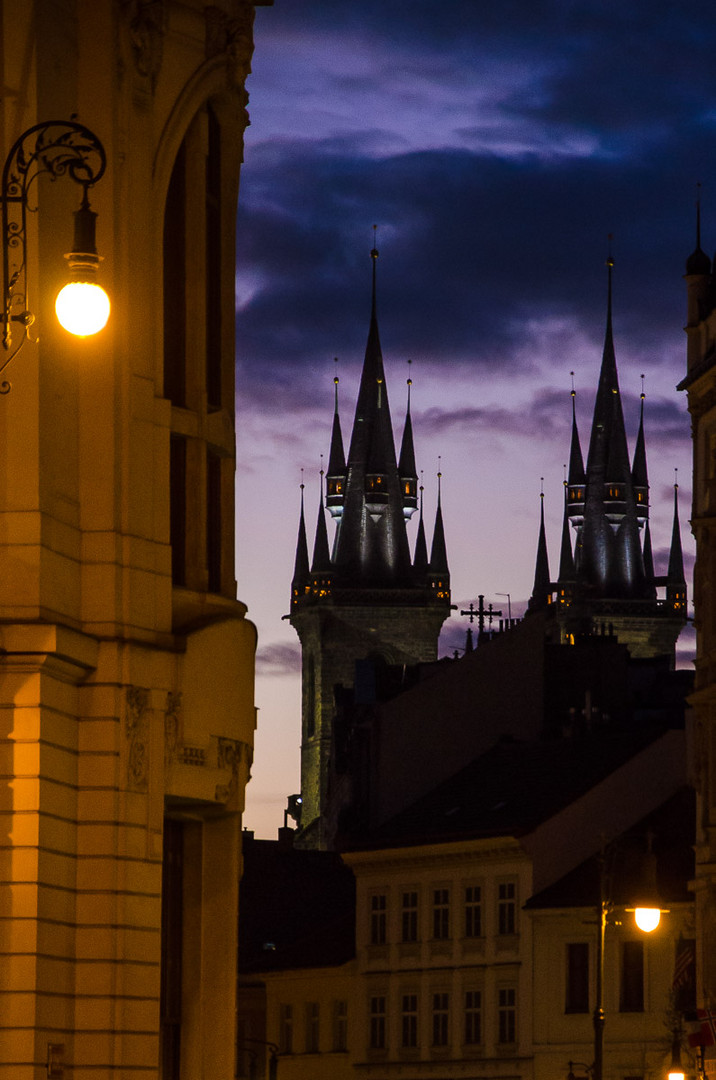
{"type": "Point", "coordinates": [496, 147]}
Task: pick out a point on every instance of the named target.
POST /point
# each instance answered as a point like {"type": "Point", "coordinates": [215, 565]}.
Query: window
{"type": "Point", "coordinates": [441, 914]}
{"type": "Point", "coordinates": [410, 917]}
{"type": "Point", "coordinates": [378, 908]}
{"type": "Point", "coordinates": [285, 1029]}
{"type": "Point", "coordinates": [172, 927]}
{"type": "Point", "coordinates": [376, 1025]}
{"type": "Point", "coordinates": [577, 983]}
{"type": "Point", "coordinates": [631, 997]}
{"type": "Point", "coordinates": [174, 283]}
{"type": "Point", "coordinates": [473, 911]}
{"type": "Point", "coordinates": [312, 1023]}
{"type": "Point", "coordinates": [213, 521]}
{"type": "Point", "coordinates": [441, 1018]}
{"type": "Point", "coordinates": [213, 260]}
{"type": "Point", "coordinates": [506, 1015]}
{"type": "Point", "coordinates": [473, 1017]}
{"type": "Point", "coordinates": [340, 1025]}
{"type": "Point", "coordinates": [177, 507]}
{"type": "Point", "coordinates": [506, 906]}
{"type": "Point", "coordinates": [409, 1028]}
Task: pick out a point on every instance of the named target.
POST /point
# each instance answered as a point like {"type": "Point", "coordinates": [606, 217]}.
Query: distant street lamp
{"type": "Point", "coordinates": [58, 148]}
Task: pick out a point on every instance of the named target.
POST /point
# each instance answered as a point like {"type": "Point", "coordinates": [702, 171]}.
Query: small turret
{"type": "Point", "coordinates": [336, 475]}
{"type": "Point", "coordinates": [420, 559]}
{"type": "Point", "coordinates": [406, 465]}
{"type": "Point", "coordinates": [438, 568]}
{"type": "Point", "coordinates": [567, 575]}
{"type": "Point", "coordinates": [542, 588]}
{"type": "Point", "coordinates": [675, 578]}
{"type": "Point", "coordinates": [576, 480]}
{"type": "Point", "coordinates": [321, 572]}
{"type": "Point", "coordinates": [639, 475]}
{"type": "Point", "coordinates": [300, 584]}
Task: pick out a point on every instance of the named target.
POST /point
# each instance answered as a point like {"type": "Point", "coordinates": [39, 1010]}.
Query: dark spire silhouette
{"type": "Point", "coordinates": [576, 479]}
{"type": "Point", "coordinates": [639, 473]}
{"type": "Point", "coordinates": [438, 551]}
{"type": "Point", "coordinates": [406, 463]}
{"type": "Point", "coordinates": [698, 261]}
{"type": "Point", "coordinates": [420, 560]}
{"type": "Point", "coordinates": [650, 578]}
{"type": "Point", "coordinates": [336, 475]}
{"type": "Point", "coordinates": [541, 590]}
{"type": "Point", "coordinates": [321, 555]}
{"type": "Point", "coordinates": [301, 569]}
{"type": "Point", "coordinates": [675, 573]}
{"type": "Point", "coordinates": [566, 556]}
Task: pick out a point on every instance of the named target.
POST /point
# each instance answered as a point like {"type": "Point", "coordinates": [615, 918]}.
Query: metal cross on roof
{"type": "Point", "coordinates": [481, 613]}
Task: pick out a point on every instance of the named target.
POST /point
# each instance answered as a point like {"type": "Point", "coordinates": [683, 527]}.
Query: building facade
{"type": "Point", "coordinates": [126, 676]}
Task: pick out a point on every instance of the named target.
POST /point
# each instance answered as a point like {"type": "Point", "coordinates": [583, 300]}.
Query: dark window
{"type": "Point", "coordinates": [171, 945]}
{"type": "Point", "coordinates": [311, 698]}
{"type": "Point", "coordinates": [577, 985]}
{"type": "Point", "coordinates": [506, 1015]}
{"type": "Point", "coordinates": [213, 261]}
{"type": "Point", "coordinates": [441, 914]}
{"type": "Point", "coordinates": [285, 1029]}
{"type": "Point", "coordinates": [410, 917]}
{"type": "Point", "coordinates": [175, 283]}
{"type": "Point", "coordinates": [473, 1017]}
{"type": "Point", "coordinates": [340, 1025]}
{"type": "Point", "coordinates": [441, 1019]}
{"type": "Point", "coordinates": [473, 911]}
{"type": "Point", "coordinates": [312, 1027]}
{"type": "Point", "coordinates": [631, 998]}
{"type": "Point", "coordinates": [409, 1034]}
{"type": "Point", "coordinates": [377, 1023]}
{"type": "Point", "coordinates": [378, 907]}
{"type": "Point", "coordinates": [213, 521]}
{"type": "Point", "coordinates": [506, 904]}
{"type": "Point", "coordinates": [177, 507]}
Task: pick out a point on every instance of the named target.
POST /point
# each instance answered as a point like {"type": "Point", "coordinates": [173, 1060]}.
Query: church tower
{"type": "Point", "coordinates": [367, 597]}
{"type": "Point", "coordinates": [606, 578]}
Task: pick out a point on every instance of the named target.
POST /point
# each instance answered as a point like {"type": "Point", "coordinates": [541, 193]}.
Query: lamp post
{"type": "Point", "coordinates": [647, 919]}
{"type": "Point", "coordinates": [58, 148]}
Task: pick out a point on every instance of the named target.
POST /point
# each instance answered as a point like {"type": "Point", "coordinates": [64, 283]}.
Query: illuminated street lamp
{"type": "Point", "coordinates": [647, 915]}
{"type": "Point", "coordinates": [58, 148]}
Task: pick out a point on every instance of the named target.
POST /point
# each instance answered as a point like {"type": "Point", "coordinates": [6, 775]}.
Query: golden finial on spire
{"type": "Point", "coordinates": [642, 377]}
{"type": "Point", "coordinates": [574, 392]}
{"type": "Point", "coordinates": [374, 250]}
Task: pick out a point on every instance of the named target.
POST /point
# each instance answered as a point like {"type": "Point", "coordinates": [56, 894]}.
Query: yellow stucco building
{"type": "Point", "coordinates": [126, 661]}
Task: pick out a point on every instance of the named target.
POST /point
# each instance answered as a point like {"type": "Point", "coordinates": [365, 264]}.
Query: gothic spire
{"type": "Point", "coordinates": [321, 556]}
{"type": "Point", "coordinates": [575, 476]}
{"type": "Point", "coordinates": [675, 572]}
{"type": "Point", "coordinates": [541, 590]}
{"type": "Point", "coordinates": [406, 463]}
{"type": "Point", "coordinates": [301, 569]}
{"type": "Point", "coordinates": [438, 551]}
{"type": "Point", "coordinates": [336, 475]}
{"type": "Point", "coordinates": [372, 543]}
{"type": "Point", "coordinates": [639, 474]}
{"type": "Point", "coordinates": [566, 557]}
{"type": "Point", "coordinates": [420, 559]}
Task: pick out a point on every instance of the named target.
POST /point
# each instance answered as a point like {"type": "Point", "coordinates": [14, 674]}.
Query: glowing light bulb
{"type": "Point", "coordinates": [647, 919]}
{"type": "Point", "coordinates": [82, 308]}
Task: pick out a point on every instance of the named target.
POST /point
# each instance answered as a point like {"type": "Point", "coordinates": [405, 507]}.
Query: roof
{"type": "Point", "coordinates": [671, 832]}
{"type": "Point", "coordinates": [514, 787]}
{"type": "Point", "coordinates": [296, 908]}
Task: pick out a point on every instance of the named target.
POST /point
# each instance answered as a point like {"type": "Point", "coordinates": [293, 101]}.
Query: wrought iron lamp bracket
{"type": "Point", "coordinates": [58, 148]}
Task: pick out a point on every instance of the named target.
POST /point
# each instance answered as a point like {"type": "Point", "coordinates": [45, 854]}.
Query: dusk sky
{"type": "Point", "coordinates": [496, 148]}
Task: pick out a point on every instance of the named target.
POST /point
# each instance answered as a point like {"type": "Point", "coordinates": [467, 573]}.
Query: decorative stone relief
{"type": "Point", "coordinates": [172, 729]}
{"type": "Point", "coordinates": [146, 25]}
{"type": "Point", "coordinates": [228, 758]}
{"type": "Point", "coordinates": [234, 38]}
{"type": "Point", "coordinates": [137, 729]}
